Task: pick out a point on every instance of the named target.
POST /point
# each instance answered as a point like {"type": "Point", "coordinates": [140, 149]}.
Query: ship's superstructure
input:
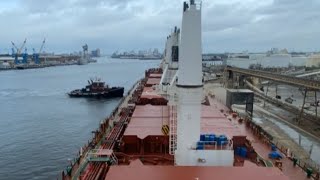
{"type": "Point", "coordinates": [171, 58]}
{"type": "Point", "coordinates": [191, 136]}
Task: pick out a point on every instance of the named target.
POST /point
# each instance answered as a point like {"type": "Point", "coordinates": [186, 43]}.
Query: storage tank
{"type": "Point", "coordinates": [313, 61]}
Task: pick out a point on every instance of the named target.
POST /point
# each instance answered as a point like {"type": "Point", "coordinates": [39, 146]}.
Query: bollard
{"type": "Point", "coordinates": [309, 172]}
{"type": "Point", "coordinates": [295, 161]}
{"type": "Point", "coordinates": [63, 176]}
{"type": "Point", "coordinates": [69, 171]}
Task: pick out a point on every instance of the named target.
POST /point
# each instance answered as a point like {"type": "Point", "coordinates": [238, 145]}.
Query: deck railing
{"type": "Point", "coordinates": [173, 130]}
{"type": "Point", "coordinates": [304, 163]}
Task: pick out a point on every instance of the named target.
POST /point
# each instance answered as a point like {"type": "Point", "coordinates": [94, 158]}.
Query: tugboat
{"type": "Point", "coordinates": [97, 89]}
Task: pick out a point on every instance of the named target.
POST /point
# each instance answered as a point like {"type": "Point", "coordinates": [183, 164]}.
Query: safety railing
{"type": "Point", "coordinates": [214, 145]}
{"type": "Point", "coordinates": [173, 130]}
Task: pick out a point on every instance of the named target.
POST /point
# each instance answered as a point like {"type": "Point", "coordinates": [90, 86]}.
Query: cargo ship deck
{"type": "Point", "coordinates": [170, 127]}
{"type": "Point", "coordinates": [137, 147]}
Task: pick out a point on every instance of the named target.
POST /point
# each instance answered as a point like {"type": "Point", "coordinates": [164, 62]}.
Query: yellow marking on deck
{"type": "Point", "coordinates": [165, 130]}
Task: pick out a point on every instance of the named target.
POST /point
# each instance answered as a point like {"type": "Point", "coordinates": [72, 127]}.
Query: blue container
{"type": "Point", "coordinates": [207, 137]}
{"type": "Point", "coordinates": [219, 142]}
{"type": "Point", "coordinates": [212, 137]}
{"type": "Point", "coordinates": [223, 138]}
{"type": "Point", "coordinates": [275, 155]}
{"type": "Point", "coordinates": [243, 152]}
{"type": "Point", "coordinates": [224, 142]}
{"type": "Point", "coordinates": [237, 151]}
{"type": "Point", "coordinates": [202, 137]}
{"type": "Point", "coordinates": [200, 145]}
{"type": "Point", "coordinates": [216, 138]}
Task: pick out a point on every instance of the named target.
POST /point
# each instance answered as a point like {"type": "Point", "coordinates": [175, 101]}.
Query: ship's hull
{"type": "Point", "coordinates": [113, 92]}
{"type": "Point", "coordinates": [34, 66]}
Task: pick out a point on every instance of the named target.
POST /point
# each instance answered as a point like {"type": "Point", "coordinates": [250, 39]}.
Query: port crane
{"type": "Point", "coordinates": [18, 51]}
{"type": "Point", "coordinates": [25, 56]}
{"type": "Point", "coordinates": [13, 52]}
{"type": "Point", "coordinates": [37, 55]}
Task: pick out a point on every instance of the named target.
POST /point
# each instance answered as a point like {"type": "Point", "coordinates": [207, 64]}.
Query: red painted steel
{"type": "Point", "coordinates": [149, 93]}
{"type": "Point", "coordinates": [147, 120]}
{"type": "Point", "coordinates": [151, 111]}
{"type": "Point", "coordinates": [153, 81]}
{"type": "Point", "coordinates": [137, 172]}
{"type": "Point", "coordinates": [155, 75]}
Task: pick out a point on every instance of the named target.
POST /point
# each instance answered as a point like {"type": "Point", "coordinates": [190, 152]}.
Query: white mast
{"type": "Point", "coordinates": [189, 86]}
{"type": "Point", "coordinates": [190, 55]}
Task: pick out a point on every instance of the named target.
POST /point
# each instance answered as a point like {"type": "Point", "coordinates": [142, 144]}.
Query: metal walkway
{"type": "Point", "coordinates": [98, 157]}
{"type": "Point", "coordinates": [290, 80]}
{"type": "Point", "coordinates": [173, 130]}
{"type": "Point", "coordinates": [116, 131]}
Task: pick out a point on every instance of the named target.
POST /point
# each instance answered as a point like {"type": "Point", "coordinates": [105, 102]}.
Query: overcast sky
{"type": "Point", "coordinates": [228, 25]}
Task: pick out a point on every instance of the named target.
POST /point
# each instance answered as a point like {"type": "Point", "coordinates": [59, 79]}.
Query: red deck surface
{"type": "Point", "coordinates": [294, 173]}
{"type": "Point", "coordinates": [151, 111]}
{"type": "Point", "coordinates": [211, 111]}
{"type": "Point", "coordinates": [136, 171]}
{"type": "Point", "coordinates": [214, 121]}
{"type": "Point", "coordinates": [153, 81]}
{"type": "Point", "coordinates": [143, 127]}
{"type": "Point", "coordinates": [149, 93]}
{"type": "Point", "coordinates": [219, 126]}
{"type": "Point", "coordinates": [155, 75]}
{"type": "Point", "coordinates": [147, 120]}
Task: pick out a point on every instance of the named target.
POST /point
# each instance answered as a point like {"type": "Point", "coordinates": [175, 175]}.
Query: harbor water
{"type": "Point", "coordinates": [41, 128]}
